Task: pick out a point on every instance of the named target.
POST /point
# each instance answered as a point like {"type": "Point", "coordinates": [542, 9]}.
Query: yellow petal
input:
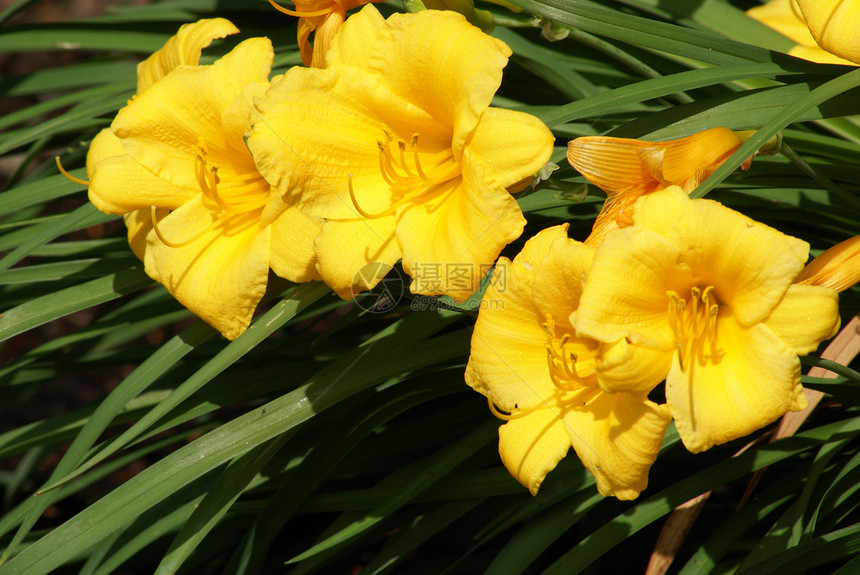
{"type": "Point", "coordinates": [355, 43]}
{"type": "Point", "coordinates": [559, 279]}
{"type": "Point", "coordinates": [119, 185]}
{"type": "Point", "coordinates": [838, 268]}
{"type": "Point", "coordinates": [316, 128]}
{"type": "Point", "coordinates": [617, 212]}
{"type": "Point", "coordinates": [433, 59]}
{"type": "Point", "coordinates": [835, 25]}
{"type": "Point", "coordinates": [508, 361]}
{"type": "Point", "coordinates": [625, 295]}
{"type": "Point", "coordinates": [103, 146]}
{"type": "Point", "coordinates": [183, 49]}
{"type": "Point", "coordinates": [513, 144]}
{"type": "Point", "coordinates": [617, 437]}
{"type": "Point", "coordinates": [818, 54]}
{"type": "Point", "coordinates": [292, 246]}
{"type": "Point", "coordinates": [465, 228]}
{"type": "Point", "coordinates": [220, 276]}
{"type": "Point", "coordinates": [343, 248]}
{"type": "Point", "coordinates": [780, 15]}
{"type": "Point", "coordinates": [532, 446]}
{"type": "Point", "coordinates": [749, 264]}
{"type": "Point", "coordinates": [164, 127]}
{"type": "Point", "coordinates": [747, 380]}
{"type": "Point", "coordinates": [627, 367]}
{"type": "Point", "coordinates": [139, 224]}
{"type": "Point", "coordinates": [806, 316]}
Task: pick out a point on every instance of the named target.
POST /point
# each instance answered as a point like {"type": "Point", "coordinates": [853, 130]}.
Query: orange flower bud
{"type": "Point", "coordinates": [627, 169]}
{"type": "Point", "coordinates": [837, 268]}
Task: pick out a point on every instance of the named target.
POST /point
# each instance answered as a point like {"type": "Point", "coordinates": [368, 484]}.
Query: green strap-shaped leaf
{"type": "Point", "coordinates": [43, 309]}
{"type": "Point", "coordinates": [117, 509]}
{"type": "Point", "coordinates": [662, 503]}
{"type": "Point", "coordinates": [218, 500]}
{"type": "Point", "coordinates": [789, 114]}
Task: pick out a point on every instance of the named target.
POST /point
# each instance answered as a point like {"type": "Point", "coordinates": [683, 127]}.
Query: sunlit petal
{"type": "Point", "coordinates": [805, 316]}
{"type": "Point", "coordinates": [559, 279]}
{"type": "Point", "coordinates": [464, 64]}
{"type": "Point", "coordinates": [344, 248]}
{"type": "Point", "coordinates": [220, 276]}
{"type": "Point", "coordinates": [163, 128]}
{"type": "Point", "coordinates": [464, 227]}
{"type": "Point", "coordinates": [532, 446]}
{"type": "Point", "coordinates": [628, 367]}
{"type": "Point", "coordinates": [515, 161]}
{"type": "Point", "coordinates": [617, 437]}
{"type": "Point", "coordinates": [508, 362]}
{"type": "Point", "coordinates": [717, 244]}
{"type": "Point", "coordinates": [747, 380]}
{"type": "Point", "coordinates": [835, 25]}
{"type": "Point", "coordinates": [292, 238]}
{"type": "Point", "coordinates": [183, 49]}
{"type": "Point", "coordinates": [625, 296]}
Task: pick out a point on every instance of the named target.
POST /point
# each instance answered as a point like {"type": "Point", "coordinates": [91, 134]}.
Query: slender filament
{"type": "Point", "coordinates": [308, 14]}
{"type": "Point", "coordinates": [68, 175]}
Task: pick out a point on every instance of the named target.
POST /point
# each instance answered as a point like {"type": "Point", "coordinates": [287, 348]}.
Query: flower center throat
{"type": "Point", "coordinates": [693, 321]}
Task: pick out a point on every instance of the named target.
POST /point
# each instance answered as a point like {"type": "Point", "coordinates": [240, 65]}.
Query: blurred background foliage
{"type": "Point", "coordinates": [332, 439]}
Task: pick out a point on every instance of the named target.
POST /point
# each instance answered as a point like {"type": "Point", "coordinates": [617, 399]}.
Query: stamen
{"type": "Point", "coordinates": [564, 366]}
{"type": "Point", "coordinates": [289, 12]}
{"type": "Point", "coordinates": [170, 244]}
{"type": "Point", "coordinates": [358, 208]}
{"type": "Point", "coordinates": [388, 173]}
{"type": "Point", "coordinates": [414, 143]}
{"type": "Point", "coordinates": [498, 413]}
{"type": "Point", "coordinates": [68, 175]}
{"type": "Point", "coordinates": [695, 293]}
{"type": "Point", "coordinates": [676, 306]}
{"type": "Point", "coordinates": [712, 322]}
{"type": "Point", "coordinates": [208, 181]}
{"type": "Point", "coordinates": [689, 326]}
{"type": "Point", "coordinates": [402, 146]}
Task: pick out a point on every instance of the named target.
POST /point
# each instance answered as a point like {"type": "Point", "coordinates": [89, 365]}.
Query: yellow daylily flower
{"type": "Point", "coordinates": [838, 268]}
{"type": "Point", "coordinates": [530, 362]}
{"type": "Point", "coordinates": [175, 165]}
{"type": "Point", "coordinates": [835, 25]}
{"type": "Point", "coordinates": [324, 18]}
{"type": "Point", "coordinates": [785, 17]}
{"type": "Point", "coordinates": [627, 169]}
{"type": "Point", "coordinates": [395, 146]}
{"type": "Point", "coordinates": [709, 293]}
